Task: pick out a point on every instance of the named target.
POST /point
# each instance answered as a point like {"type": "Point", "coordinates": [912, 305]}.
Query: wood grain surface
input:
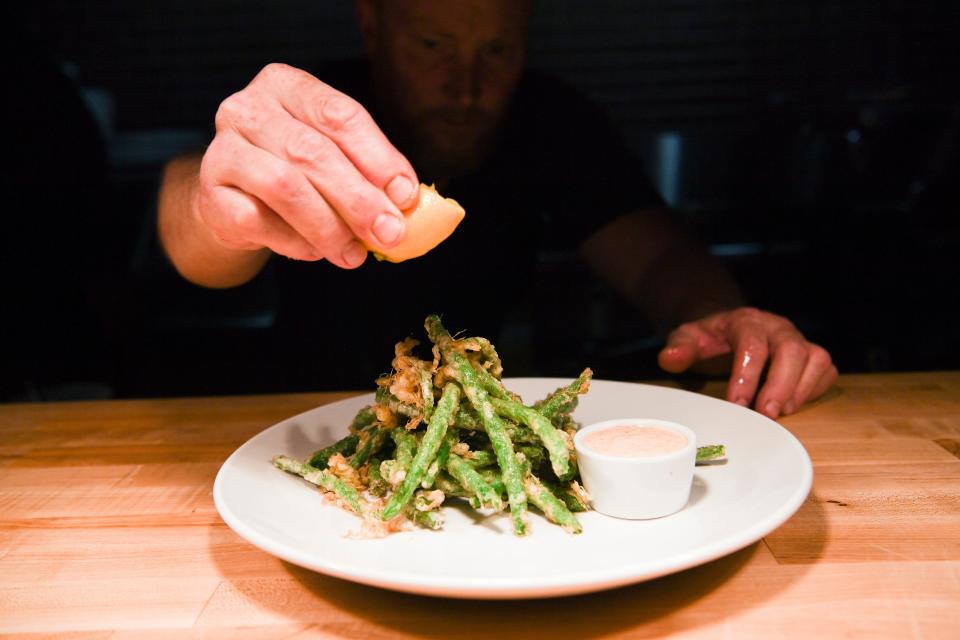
{"type": "Point", "coordinates": [108, 530]}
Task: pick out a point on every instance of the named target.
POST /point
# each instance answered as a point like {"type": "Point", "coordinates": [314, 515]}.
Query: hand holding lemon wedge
{"type": "Point", "coordinates": [428, 224]}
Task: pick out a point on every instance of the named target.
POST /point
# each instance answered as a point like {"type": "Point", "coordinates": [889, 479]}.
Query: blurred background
{"type": "Point", "coordinates": [812, 145]}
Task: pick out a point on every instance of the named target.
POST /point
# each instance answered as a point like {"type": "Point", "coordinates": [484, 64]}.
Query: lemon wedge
{"type": "Point", "coordinates": [428, 224]}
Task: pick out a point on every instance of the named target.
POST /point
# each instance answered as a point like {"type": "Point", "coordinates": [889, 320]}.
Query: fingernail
{"type": "Point", "coordinates": [789, 407]}
{"type": "Point", "coordinates": [400, 190]}
{"type": "Point", "coordinates": [772, 408]}
{"type": "Point", "coordinates": [388, 228]}
{"type": "Point", "coordinates": [742, 402]}
{"type": "Point", "coordinates": [354, 253]}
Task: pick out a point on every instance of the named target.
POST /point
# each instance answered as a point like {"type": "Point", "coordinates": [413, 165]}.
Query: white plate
{"type": "Point", "coordinates": [733, 505]}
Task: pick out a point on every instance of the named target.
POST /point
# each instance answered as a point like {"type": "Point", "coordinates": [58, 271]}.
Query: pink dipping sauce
{"type": "Point", "coordinates": [634, 441]}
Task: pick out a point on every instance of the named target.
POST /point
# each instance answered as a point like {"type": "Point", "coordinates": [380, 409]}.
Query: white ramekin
{"type": "Point", "coordinates": [637, 488]}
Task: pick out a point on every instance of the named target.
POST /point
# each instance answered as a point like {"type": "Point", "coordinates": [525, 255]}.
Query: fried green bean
{"type": "Point", "coordinates": [493, 478]}
{"type": "Point", "coordinates": [426, 392]}
{"type": "Point", "coordinates": [553, 508]}
{"type": "Point", "coordinates": [711, 453]}
{"type": "Point", "coordinates": [536, 455]}
{"type": "Point", "coordinates": [469, 420]}
{"type": "Point", "coordinates": [377, 484]}
{"type": "Point", "coordinates": [386, 399]}
{"type": "Point", "coordinates": [453, 489]}
{"type": "Point", "coordinates": [465, 374]}
{"type": "Point", "coordinates": [567, 495]}
{"type": "Point", "coordinates": [552, 439]}
{"type": "Point", "coordinates": [489, 355]}
{"type": "Point", "coordinates": [440, 462]}
{"type": "Point", "coordinates": [364, 418]}
{"type": "Point", "coordinates": [427, 500]}
{"type": "Point", "coordinates": [564, 400]}
{"type": "Point", "coordinates": [426, 519]}
{"type": "Point", "coordinates": [492, 385]}
{"type": "Point", "coordinates": [321, 478]}
{"type": "Point", "coordinates": [426, 452]}
{"type": "Point", "coordinates": [345, 446]}
{"type": "Point", "coordinates": [480, 458]}
{"type": "Point", "coordinates": [406, 446]}
{"type": "Point", "coordinates": [473, 482]}
{"type": "Point", "coordinates": [395, 469]}
{"type": "Point", "coordinates": [376, 437]}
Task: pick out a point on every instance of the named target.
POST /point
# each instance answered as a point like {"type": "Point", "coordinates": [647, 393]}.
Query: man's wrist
{"type": "Point", "coordinates": [191, 245]}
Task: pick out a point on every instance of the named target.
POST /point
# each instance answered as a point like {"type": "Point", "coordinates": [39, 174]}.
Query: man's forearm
{"type": "Point", "coordinates": [682, 285]}
{"type": "Point", "coordinates": [662, 271]}
{"type": "Point", "coordinates": [189, 244]}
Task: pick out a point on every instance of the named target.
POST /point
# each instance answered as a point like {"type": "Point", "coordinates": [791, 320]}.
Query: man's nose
{"type": "Point", "coordinates": [464, 80]}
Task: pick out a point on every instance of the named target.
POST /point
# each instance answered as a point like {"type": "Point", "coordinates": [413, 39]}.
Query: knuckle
{"type": "Point", "coordinates": [340, 113]}
{"type": "Point", "coordinates": [227, 111]}
{"type": "Point", "coordinates": [245, 219]}
{"type": "Point", "coordinates": [215, 153]}
{"type": "Point", "coordinates": [271, 71]}
{"type": "Point", "coordinates": [307, 148]}
{"type": "Point", "coordinates": [216, 163]}
{"type": "Point", "coordinates": [794, 350]}
{"type": "Point", "coordinates": [234, 111]}
{"type": "Point", "coordinates": [783, 325]}
{"type": "Point", "coordinates": [820, 357]}
{"type": "Point", "coordinates": [360, 205]}
{"type": "Point", "coordinates": [285, 184]}
{"type": "Point", "coordinates": [209, 167]}
{"type": "Point", "coordinates": [744, 320]}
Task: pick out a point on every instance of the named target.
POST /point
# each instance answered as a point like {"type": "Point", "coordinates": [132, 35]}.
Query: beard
{"type": "Point", "coordinates": [449, 143]}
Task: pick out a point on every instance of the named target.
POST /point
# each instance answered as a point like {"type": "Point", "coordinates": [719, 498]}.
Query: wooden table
{"type": "Point", "coordinates": [108, 529]}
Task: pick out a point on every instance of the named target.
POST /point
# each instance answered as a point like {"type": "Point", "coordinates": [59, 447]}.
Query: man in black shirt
{"type": "Point", "coordinates": [318, 171]}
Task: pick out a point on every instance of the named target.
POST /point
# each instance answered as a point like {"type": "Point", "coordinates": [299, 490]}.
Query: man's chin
{"type": "Point", "coordinates": [442, 160]}
{"type": "Point", "coordinates": [434, 168]}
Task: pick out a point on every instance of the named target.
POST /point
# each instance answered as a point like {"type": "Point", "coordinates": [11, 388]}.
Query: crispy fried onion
{"type": "Point", "coordinates": [404, 383]}
{"type": "Point", "coordinates": [481, 353]}
{"type": "Point", "coordinates": [373, 527]}
{"type": "Point", "coordinates": [577, 489]}
{"type": "Point", "coordinates": [338, 466]}
{"type": "Point", "coordinates": [444, 374]}
{"type": "Point", "coordinates": [385, 416]}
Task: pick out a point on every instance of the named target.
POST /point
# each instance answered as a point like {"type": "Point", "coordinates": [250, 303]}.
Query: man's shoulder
{"type": "Point", "coordinates": [538, 87]}
{"type": "Point", "coordinates": [545, 102]}
{"type": "Point", "coordinates": [537, 81]}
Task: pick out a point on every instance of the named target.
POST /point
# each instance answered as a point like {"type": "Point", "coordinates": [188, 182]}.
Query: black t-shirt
{"type": "Point", "coordinates": [558, 173]}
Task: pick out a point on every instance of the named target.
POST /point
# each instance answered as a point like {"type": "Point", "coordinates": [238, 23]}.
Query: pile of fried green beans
{"type": "Point", "coordinates": [448, 428]}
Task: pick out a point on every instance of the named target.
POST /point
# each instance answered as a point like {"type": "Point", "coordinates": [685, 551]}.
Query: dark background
{"type": "Point", "coordinates": [812, 145]}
